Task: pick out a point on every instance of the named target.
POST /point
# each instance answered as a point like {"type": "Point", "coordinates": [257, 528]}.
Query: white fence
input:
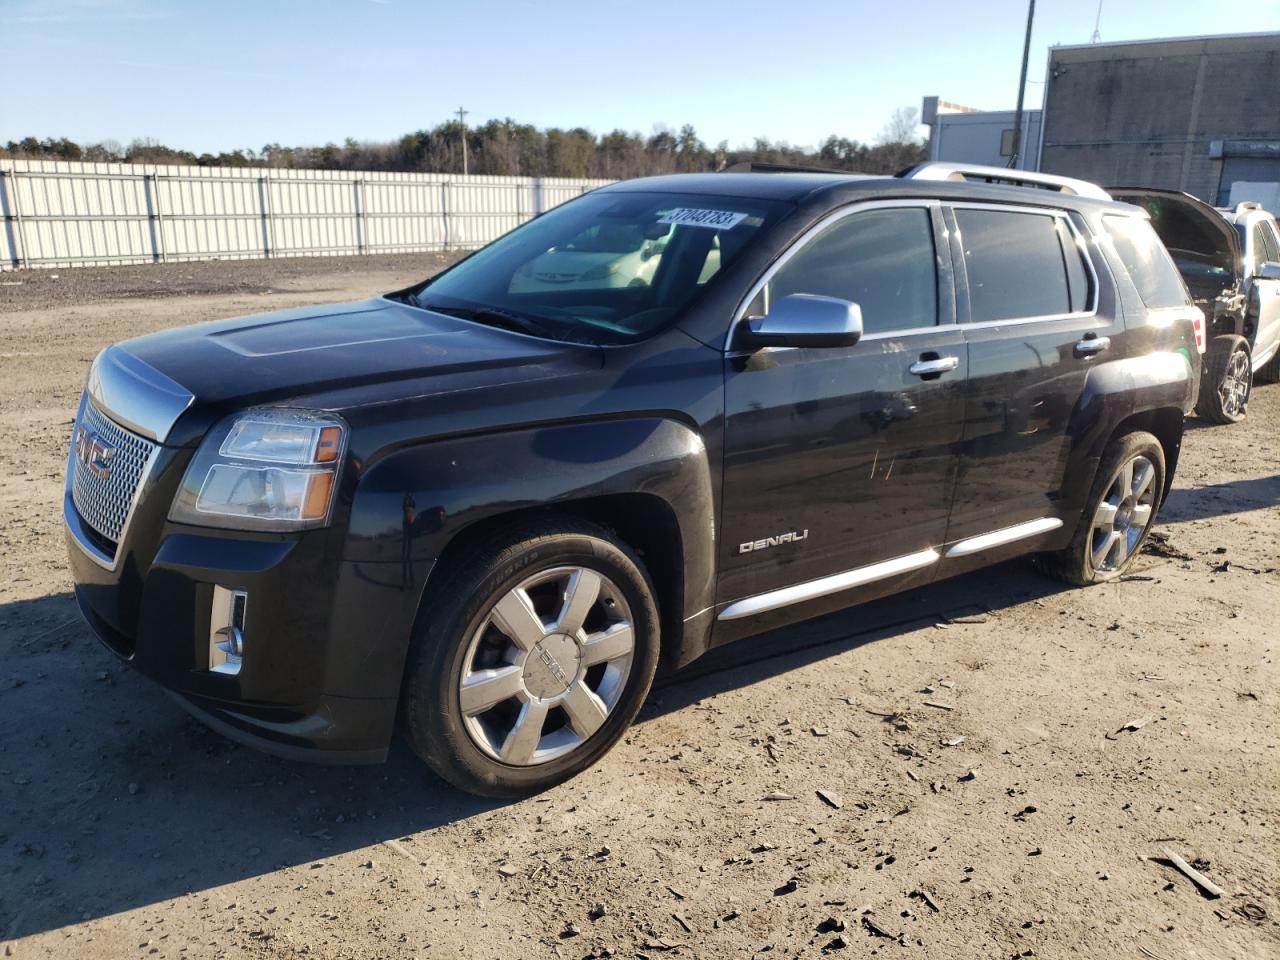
{"type": "Point", "coordinates": [59, 214]}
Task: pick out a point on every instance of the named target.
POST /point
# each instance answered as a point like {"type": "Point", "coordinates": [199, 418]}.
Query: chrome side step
{"type": "Point", "coordinates": [764, 602]}
{"type": "Point", "coordinates": [998, 538]}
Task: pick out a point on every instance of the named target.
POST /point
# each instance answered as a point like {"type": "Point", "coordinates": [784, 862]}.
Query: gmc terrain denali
{"type": "Point", "coordinates": [486, 509]}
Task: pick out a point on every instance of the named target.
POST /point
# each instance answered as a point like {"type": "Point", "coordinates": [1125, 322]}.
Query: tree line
{"type": "Point", "coordinates": [508, 148]}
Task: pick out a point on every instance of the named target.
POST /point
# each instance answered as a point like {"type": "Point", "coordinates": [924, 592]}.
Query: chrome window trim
{"type": "Point", "coordinates": [135, 395]}
{"type": "Point", "coordinates": [1082, 246]}
{"type": "Point", "coordinates": [927, 203]}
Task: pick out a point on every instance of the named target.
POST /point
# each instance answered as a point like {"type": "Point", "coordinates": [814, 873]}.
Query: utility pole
{"type": "Point", "coordinates": [1097, 24]}
{"type": "Point", "coordinates": [462, 121]}
{"type": "Point", "coordinates": [1022, 86]}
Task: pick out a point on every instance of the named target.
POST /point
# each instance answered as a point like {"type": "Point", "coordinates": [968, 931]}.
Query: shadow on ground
{"type": "Point", "coordinates": [117, 800]}
{"type": "Point", "coordinates": [1220, 499]}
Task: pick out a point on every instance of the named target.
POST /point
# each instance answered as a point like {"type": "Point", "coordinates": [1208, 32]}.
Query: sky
{"type": "Point", "coordinates": [212, 76]}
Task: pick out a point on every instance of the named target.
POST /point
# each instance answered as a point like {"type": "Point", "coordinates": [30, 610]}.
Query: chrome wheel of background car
{"type": "Point", "coordinates": [1234, 388]}
{"type": "Point", "coordinates": [546, 666]}
{"type": "Point", "coordinates": [1123, 515]}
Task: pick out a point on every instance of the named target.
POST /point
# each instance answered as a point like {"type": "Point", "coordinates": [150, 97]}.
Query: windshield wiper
{"type": "Point", "coordinates": [491, 316]}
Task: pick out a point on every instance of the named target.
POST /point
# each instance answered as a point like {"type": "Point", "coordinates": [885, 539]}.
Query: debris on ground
{"type": "Point", "coordinates": [1207, 886]}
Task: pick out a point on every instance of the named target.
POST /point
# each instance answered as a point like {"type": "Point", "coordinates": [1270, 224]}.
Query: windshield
{"type": "Point", "coordinates": [607, 268]}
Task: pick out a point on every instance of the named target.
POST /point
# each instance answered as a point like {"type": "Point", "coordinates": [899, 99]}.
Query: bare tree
{"type": "Point", "coordinates": [903, 127]}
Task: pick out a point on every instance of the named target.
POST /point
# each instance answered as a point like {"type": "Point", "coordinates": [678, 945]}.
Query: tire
{"type": "Point", "coordinates": [488, 623]}
{"type": "Point", "coordinates": [1228, 380]}
{"type": "Point", "coordinates": [1084, 561]}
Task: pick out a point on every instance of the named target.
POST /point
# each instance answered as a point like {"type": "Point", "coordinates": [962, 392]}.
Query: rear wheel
{"type": "Point", "coordinates": [538, 656]}
{"type": "Point", "coordinates": [1118, 515]}
{"type": "Point", "coordinates": [1228, 380]}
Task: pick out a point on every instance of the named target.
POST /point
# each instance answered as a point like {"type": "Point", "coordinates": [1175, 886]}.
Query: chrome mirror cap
{"type": "Point", "coordinates": [806, 320]}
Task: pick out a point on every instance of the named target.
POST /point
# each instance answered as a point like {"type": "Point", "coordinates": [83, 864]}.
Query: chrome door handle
{"type": "Point", "coordinates": [1091, 346]}
{"type": "Point", "coordinates": [931, 368]}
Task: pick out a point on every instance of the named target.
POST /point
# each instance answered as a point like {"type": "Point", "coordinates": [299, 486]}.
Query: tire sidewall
{"type": "Point", "coordinates": [438, 730]}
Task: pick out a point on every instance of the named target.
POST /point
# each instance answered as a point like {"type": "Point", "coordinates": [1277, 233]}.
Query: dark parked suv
{"type": "Point", "coordinates": [486, 511]}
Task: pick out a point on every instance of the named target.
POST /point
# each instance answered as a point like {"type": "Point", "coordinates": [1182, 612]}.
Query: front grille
{"type": "Point", "coordinates": [108, 464]}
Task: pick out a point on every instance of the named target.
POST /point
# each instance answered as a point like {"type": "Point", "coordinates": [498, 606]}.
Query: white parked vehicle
{"type": "Point", "coordinates": [1230, 260]}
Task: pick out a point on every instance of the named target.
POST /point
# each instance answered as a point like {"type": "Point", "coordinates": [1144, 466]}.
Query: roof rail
{"type": "Point", "coordinates": [1244, 206]}
{"type": "Point", "coordinates": [757, 166]}
{"type": "Point", "coordinates": [939, 170]}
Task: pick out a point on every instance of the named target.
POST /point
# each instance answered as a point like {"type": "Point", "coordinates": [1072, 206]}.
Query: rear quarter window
{"type": "Point", "coordinates": [1147, 262]}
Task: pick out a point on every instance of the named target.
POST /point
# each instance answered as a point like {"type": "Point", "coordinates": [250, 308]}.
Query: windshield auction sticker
{"type": "Point", "coordinates": [694, 217]}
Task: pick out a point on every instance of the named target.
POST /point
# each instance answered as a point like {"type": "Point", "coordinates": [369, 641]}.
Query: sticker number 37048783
{"type": "Point", "coordinates": [695, 217]}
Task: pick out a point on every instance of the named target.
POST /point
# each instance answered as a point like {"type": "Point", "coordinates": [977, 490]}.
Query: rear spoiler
{"type": "Point", "coordinates": [938, 170]}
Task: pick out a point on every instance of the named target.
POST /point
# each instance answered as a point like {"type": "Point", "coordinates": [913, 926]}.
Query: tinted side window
{"type": "Point", "coordinates": [1147, 262]}
{"type": "Point", "coordinates": [1015, 265]}
{"type": "Point", "coordinates": [1077, 276]}
{"type": "Point", "coordinates": [882, 260]}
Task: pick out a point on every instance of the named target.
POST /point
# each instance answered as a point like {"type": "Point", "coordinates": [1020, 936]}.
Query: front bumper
{"type": "Point", "coordinates": [325, 639]}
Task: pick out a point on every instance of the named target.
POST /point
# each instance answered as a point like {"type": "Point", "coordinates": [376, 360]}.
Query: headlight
{"type": "Point", "coordinates": [265, 469]}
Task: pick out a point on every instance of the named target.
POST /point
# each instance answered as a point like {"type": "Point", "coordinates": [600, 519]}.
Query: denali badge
{"type": "Point", "coordinates": [93, 453]}
{"type": "Point", "coordinates": [767, 542]}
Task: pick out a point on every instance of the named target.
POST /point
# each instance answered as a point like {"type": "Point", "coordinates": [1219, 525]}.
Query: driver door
{"type": "Point", "coordinates": [842, 460]}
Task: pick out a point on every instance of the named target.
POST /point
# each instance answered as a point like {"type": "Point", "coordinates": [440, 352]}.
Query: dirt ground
{"type": "Point", "coordinates": [1018, 819]}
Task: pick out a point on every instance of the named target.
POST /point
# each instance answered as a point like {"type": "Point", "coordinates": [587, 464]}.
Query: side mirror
{"type": "Point", "coordinates": [1269, 271]}
{"type": "Point", "coordinates": [805, 320]}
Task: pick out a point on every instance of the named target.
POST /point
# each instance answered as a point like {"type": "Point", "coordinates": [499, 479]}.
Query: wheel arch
{"type": "Point", "coordinates": [644, 522]}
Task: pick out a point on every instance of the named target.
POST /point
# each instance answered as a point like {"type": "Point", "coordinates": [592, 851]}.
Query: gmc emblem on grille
{"type": "Point", "coordinates": [93, 453]}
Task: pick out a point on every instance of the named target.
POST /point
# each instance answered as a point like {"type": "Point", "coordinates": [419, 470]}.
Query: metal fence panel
{"type": "Point", "coordinates": [58, 214]}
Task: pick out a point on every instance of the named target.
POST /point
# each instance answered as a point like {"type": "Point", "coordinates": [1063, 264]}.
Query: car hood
{"type": "Point", "coordinates": [1184, 222]}
{"type": "Point", "coordinates": [292, 353]}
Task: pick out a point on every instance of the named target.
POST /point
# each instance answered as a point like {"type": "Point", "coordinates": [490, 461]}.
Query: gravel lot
{"type": "Point", "coordinates": [1021, 822]}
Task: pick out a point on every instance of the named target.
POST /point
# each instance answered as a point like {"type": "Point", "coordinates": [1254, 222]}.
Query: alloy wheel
{"type": "Point", "coordinates": [1123, 515]}
{"type": "Point", "coordinates": [1234, 388]}
{"type": "Point", "coordinates": [547, 665]}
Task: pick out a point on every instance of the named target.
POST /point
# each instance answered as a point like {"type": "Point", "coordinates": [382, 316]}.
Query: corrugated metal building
{"type": "Point", "coordinates": [1198, 114]}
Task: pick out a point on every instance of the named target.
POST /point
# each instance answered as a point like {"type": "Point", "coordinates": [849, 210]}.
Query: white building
{"type": "Point", "coordinates": [961, 134]}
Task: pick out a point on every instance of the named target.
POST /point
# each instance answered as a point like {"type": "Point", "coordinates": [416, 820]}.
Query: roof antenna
{"type": "Point", "coordinates": [1097, 21]}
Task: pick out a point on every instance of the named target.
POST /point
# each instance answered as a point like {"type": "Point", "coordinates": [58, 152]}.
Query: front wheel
{"type": "Point", "coordinates": [536, 657]}
{"type": "Point", "coordinates": [1118, 515]}
{"type": "Point", "coordinates": [1228, 380]}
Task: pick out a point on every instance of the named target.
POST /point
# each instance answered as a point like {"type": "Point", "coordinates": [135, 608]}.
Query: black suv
{"type": "Point", "coordinates": [663, 416]}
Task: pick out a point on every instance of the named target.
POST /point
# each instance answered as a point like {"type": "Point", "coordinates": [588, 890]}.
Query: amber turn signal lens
{"type": "Point", "coordinates": [316, 504]}
{"type": "Point", "coordinates": [327, 448]}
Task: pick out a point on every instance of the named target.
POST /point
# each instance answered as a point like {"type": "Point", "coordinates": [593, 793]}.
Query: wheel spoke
{"type": "Point", "coordinates": [617, 641]}
{"type": "Point", "coordinates": [514, 616]}
{"type": "Point", "coordinates": [1126, 478]}
{"type": "Point", "coordinates": [580, 595]}
{"type": "Point", "coordinates": [524, 737]}
{"type": "Point", "coordinates": [586, 711]}
{"type": "Point", "coordinates": [1141, 516]}
{"type": "Point", "coordinates": [1103, 550]}
{"type": "Point", "coordinates": [1105, 518]}
{"type": "Point", "coordinates": [1142, 479]}
{"type": "Point", "coordinates": [1119, 549]}
{"type": "Point", "coordinates": [485, 689]}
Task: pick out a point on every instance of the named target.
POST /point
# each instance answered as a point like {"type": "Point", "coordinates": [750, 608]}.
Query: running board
{"type": "Point", "coordinates": [998, 538]}
{"type": "Point", "coordinates": [774, 599]}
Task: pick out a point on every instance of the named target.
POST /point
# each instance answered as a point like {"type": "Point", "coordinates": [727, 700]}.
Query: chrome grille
{"type": "Point", "coordinates": [103, 485]}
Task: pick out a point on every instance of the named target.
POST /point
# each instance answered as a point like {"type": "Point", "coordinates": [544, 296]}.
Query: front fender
{"type": "Point", "coordinates": [412, 503]}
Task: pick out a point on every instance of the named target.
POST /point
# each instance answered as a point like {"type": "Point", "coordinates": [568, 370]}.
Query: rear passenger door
{"type": "Point", "coordinates": [1028, 295]}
